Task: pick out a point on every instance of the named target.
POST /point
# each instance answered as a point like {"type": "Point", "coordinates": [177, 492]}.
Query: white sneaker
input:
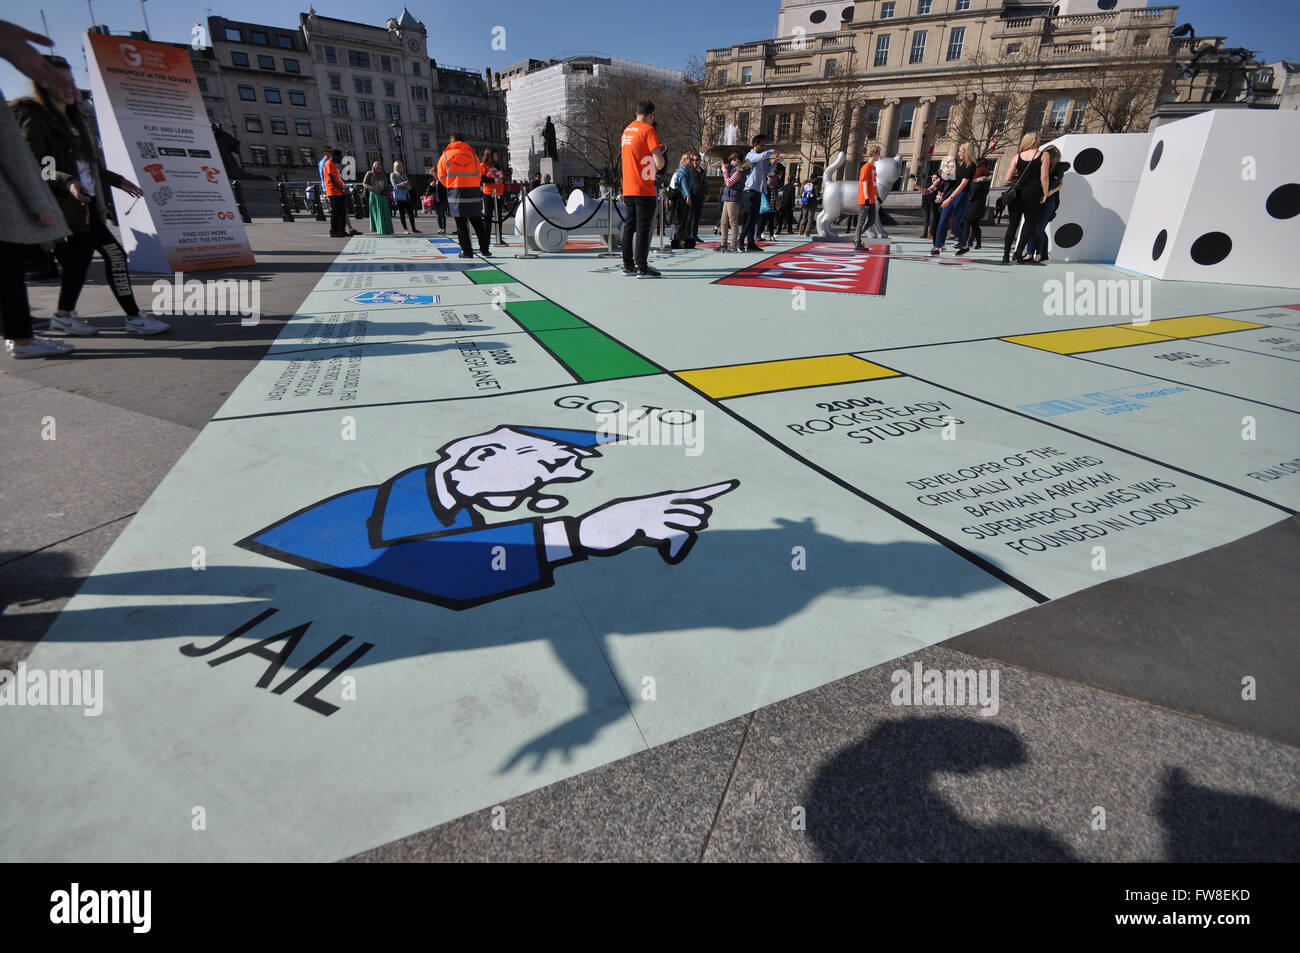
{"type": "Point", "coordinates": [71, 324]}
{"type": "Point", "coordinates": [145, 324]}
{"type": "Point", "coordinates": [38, 347]}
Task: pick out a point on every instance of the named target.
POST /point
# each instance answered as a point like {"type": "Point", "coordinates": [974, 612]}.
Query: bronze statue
{"type": "Point", "coordinates": [548, 140]}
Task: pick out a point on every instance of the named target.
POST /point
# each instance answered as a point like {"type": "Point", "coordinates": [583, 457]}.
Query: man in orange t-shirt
{"type": "Point", "coordinates": [866, 197]}
{"type": "Point", "coordinates": [643, 156]}
{"type": "Point", "coordinates": [333, 183]}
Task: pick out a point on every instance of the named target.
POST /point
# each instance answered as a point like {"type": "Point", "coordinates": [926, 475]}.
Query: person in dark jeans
{"type": "Point", "coordinates": [760, 162]}
{"type": "Point", "coordinates": [643, 156]}
{"type": "Point", "coordinates": [975, 209]}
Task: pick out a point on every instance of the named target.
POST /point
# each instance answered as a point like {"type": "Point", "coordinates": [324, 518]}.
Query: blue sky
{"type": "Point", "coordinates": [461, 32]}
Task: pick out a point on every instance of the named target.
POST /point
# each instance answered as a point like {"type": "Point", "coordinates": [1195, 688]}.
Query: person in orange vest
{"type": "Point", "coordinates": [333, 181]}
{"type": "Point", "coordinates": [866, 197]}
{"type": "Point", "coordinates": [458, 171]}
{"type": "Point", "coordinates": [494, 190]}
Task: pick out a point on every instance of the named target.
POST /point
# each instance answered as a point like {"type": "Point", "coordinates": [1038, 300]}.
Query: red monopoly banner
{"type": "Point", "coordinates": [818, 266]}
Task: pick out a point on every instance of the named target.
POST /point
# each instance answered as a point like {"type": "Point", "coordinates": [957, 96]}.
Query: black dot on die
{"type": "Point", "coordinates": [1088, 161]}
{"type": "Point", "coordinates": [1284, 201]}
{"type": "Point", "coordinates": [1211, 248]}
{"type": "Point", "coordinates": [1158, 248]}
{"type": "Point", "coordinates": [1156, 153]}
{"type": "Point", "coordinates": [1068, 235]}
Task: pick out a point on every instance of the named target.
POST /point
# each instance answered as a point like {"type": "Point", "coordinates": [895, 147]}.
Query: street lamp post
{"type": "Point", "coordinates": [397, 138]}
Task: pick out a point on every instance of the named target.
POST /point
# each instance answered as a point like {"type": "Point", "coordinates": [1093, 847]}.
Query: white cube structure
{"type": "Point", "coordinates": [1096, 194]}
{"type": "Point", "coordinates": [1219, 200]}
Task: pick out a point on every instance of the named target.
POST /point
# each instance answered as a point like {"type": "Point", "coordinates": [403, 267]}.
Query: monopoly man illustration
{"type": "Point", "coordinates": [422, 533]}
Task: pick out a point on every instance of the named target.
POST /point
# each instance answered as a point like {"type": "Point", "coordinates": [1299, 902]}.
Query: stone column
{"type": "Point", "coordinates": [888, 132]}
{"type": "Point", "coordinates": [922, 136]}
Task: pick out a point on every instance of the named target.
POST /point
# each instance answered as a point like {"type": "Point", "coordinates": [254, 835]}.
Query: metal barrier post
{"type": "Point", "coordinates": [239, 202]}
{"type": "Point", "coordinates": [319, 206]}
{"type": "Point", "coordinates": [285, 214]}
{"type": "Point", "coordinates": [525, 253]}
{"type": "Point", "coordinates": [607, 192]}
{"type": "Point", "coordinates": [662, 250]}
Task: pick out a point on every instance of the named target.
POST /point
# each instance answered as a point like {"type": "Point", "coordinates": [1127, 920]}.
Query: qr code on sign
{"type": "Point", "coordinates": [147, 150]}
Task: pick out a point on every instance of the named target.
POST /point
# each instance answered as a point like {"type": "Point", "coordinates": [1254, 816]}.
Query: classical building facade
{"type": "Point", "coordinates": [259, 84]}
{"type": "Point", "coordinates": [917, 76]}
{"type": "Point", "coordinates": [472, 103]}
{"type": "Point", "coordinates": [371, 78]}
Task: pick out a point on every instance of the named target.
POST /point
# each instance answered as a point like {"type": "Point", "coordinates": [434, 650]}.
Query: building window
{"type": "Point", "coordinates": [248, 94]}
{"type": "Point", "coordinates": [393, 111]}
{"type": "Point", "coordinates": [1034, 115]}
{"type": "Point", "coordinates": [962, 5]}
{"type": "Point", "coordinates": [747, 74]}
{"type": "Point", "coordinates": [1076, 116]}
{"type": "Point", "coordinates": [338, 106]}
{"type": "Point", "coordinates": [941, 114]}
{"type": "Point", "coordinates": [362, 86]}
{"type": "Point", "coordinates": [336, 81]}
{"type": "Point", "coordinates": [266, 62]}
{"type": "Point", "coordinates": [721, 78]}
{"type": "Point", "coordinates": [259, 38]}
{"type": "Point", "coordinates": [342, 132]}
{"type": "Point", "coordinates": [922, 7]}
{"type": "Point", "coordinates": [283, 42]}
{"type": "Point", "coordinates": [918, 47]}
{"type": "Point", "coordinates": [1013, 48]}
{"type": "Point", "coordinates": [797, 134]}
{"type": "Point", "coordinates": [783, 127]}
{"type": "Point", "coordinates": [365, 109]}
{"type": "Point", "coordinates": [330, 55]}
{"type": "Point", "coordinates": [297, 97]}
{"type": "Point", "coordinates": [386, 63]}
{"type": "Point", "coordinates": [882, 50]}
{"type": "Point", "coordinates": [238, 59]}
{"type": "Point", "coordinates": [886, 11]}
{"type": "Point", "coordinates": [253, 123]}
{"type": "Point", "coordinates": [306, 157]}
{"type": "Point", "coordinates": [203, 83]}
{"type": "Point", "coordinates": [271, 94]}
{"type": "Point", "coordinates": [260, 155]}
{"type": "Point", "coordinates": [302, 127]}
{"type": "Point", "coordinates": [233, 35]}
{"type": "Point", "coordinates": [279, 126]}
{"type": "Point", "coordinates": [283, 156]}
{"type": "Point", "coordinates": [291, 66]}
{"type": "Point", "coordinates": [771, 126]}
{"type": "Point", "coordinates": [873, 122]}
{"type": "Point", "coordinates": [955, 40]}
{"type": "Point", "coordinates": [1142, 39]}
{"type": "Point", "coordinates": [389, 89]}
{"type": "Point", "coordinates": [421, 114]}
{"type": "Point", "coordinates": [424, 140]}
{"type": "Point", "coordinates": [907, 114]}
{"type": "Point", "coordinates": [359, 59]}
{"type": "Point", "coordinates": [1059, 106]}
{"type": "Point", "coordinates": [415, 69]}
{"type": "Point", "coordinates": [1001, 110]}
{"type": "Point", "coordinates": [824, 119]}
{"type": "Point", "coordinates": [420, 93]}
{"type": "Point", "coordinates": [370, 134]}
{"type": "Point", "coordinates": [742, 126]}
{"type": "Point", "coordinates": [829, 69]}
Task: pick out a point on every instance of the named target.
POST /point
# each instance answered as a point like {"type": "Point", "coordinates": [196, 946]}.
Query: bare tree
{"type": "Point", "coordinates": [591, 134]}
{"type": "Point", "coordinates": [992, 97]}
{"type": "Point", "coordinates": [1122, 90]}
{"type": "Point", "coordinates": [827, 108]}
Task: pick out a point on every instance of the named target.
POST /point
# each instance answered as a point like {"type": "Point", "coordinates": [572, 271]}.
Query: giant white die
{"type": "Point", "coordinates": [1219, 200]}
{"type": "Point", "coordinates": [1096, 194]}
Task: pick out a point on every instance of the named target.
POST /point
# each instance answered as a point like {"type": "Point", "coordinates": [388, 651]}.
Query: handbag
{"type": "Point", "coordinates": [427, 201]}
{"type": "Point", "coordinates": [764, 206]}
{"type": "Point", "coordinates": [1012, 194]}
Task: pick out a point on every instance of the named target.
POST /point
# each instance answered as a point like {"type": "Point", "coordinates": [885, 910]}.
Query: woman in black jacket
{"type": "Point", "coordinates": [54, 128]}
{"type": "Point", "coordinates": [979, 198]}
{"type": "Point", "coordinates": [1028, 177]}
